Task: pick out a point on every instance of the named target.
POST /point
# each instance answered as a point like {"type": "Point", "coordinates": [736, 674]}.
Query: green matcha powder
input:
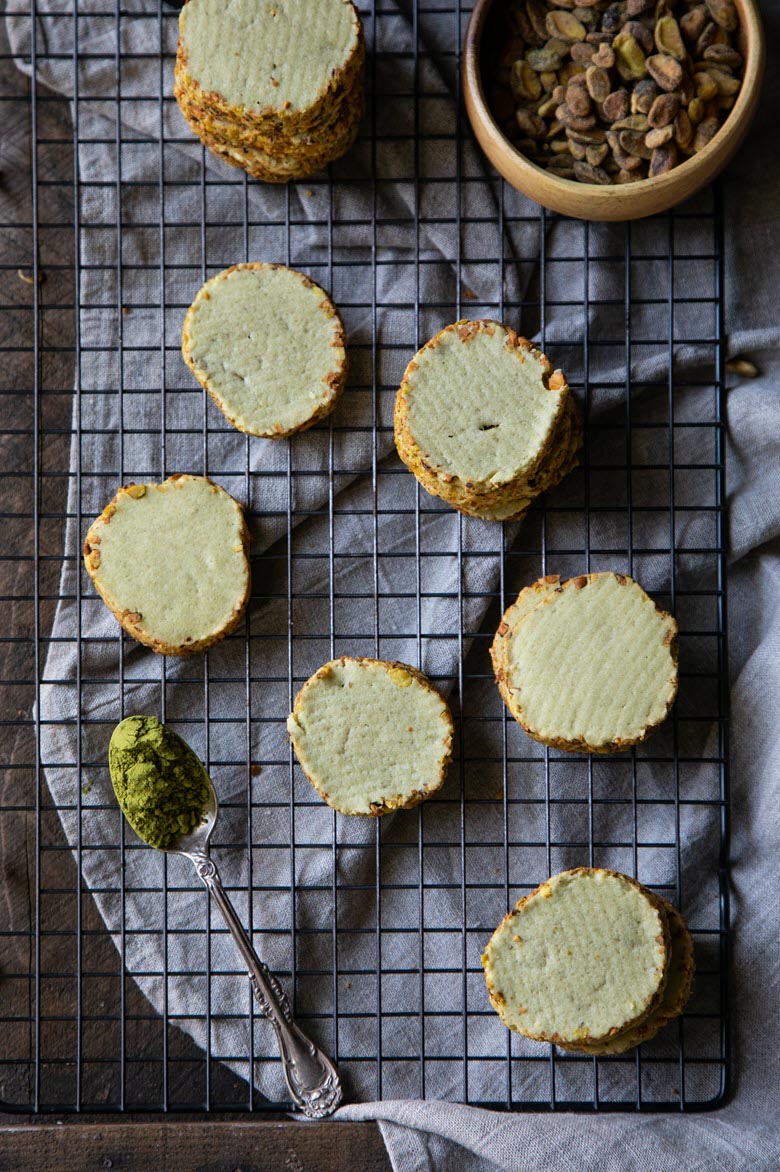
{"type": "Point", "coordinates": [159, 782]}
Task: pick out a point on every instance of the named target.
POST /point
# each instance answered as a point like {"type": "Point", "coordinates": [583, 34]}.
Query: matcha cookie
{"type": "Point", "coordinates": [581, 959]}
{"type": "Point", "coordinates": [587, 665]}
{"type": "Point", "coordinates": [268, 346]}
{"type": "Point", "coordinates": [276, 88]}
{"type": "Point", "coordinates": [371, 736]}
{"type": "Point", "coordinates": [484, 421]}
{"type": "Point", "coordinates": [171, 561]}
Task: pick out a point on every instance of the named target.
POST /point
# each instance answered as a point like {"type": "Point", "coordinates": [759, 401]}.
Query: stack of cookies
{"type": "Point", "coordinates": [592, 961]}
{"type": "Point", "coordinates": [484, 421]}
{"type": "Point", "coordinates": [587, 665]}
{"type": "Point", "coordinates": [273, 86]}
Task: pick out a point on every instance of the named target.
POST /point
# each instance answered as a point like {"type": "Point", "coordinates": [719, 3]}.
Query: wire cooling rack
{"type": "Point", "coordinates": [376, 929]}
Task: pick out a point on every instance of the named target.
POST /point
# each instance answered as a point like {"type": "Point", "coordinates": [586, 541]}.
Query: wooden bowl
{"type": "Point", "coordinates": [628, 201]}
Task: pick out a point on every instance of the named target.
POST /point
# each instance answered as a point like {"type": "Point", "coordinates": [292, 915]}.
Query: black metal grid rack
{"type": "Point", "coordinates": [376, 930]}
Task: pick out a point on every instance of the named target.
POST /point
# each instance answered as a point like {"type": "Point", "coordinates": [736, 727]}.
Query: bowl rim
{"type": "Point", "coordinates": [739, 117]}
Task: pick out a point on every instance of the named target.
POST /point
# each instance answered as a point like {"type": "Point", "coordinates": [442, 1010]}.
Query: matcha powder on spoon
{"type": "Point", "coordinates": [159, 782]}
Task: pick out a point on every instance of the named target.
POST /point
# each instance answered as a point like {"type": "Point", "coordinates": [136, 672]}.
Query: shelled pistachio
{"type": "Point", "coordinates": [612, 91]}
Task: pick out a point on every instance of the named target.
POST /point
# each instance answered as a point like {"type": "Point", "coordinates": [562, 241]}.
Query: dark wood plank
{"type": "Point", "coordinates": [184, 1147]}
{"type": "Point", "coordinates": [17, 459]}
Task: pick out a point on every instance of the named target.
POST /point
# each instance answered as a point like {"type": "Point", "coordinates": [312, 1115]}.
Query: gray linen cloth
{"type": "Point", "coordinates": [125, 350]}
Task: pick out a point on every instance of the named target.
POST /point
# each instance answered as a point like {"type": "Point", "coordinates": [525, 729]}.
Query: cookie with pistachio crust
{"type": "Point", "coordinates": [171, 562]}
{"type": "Point", "coordinates": [269, 64]}
{"type": "Point", "coordinates": [484, 421]}
{"type": "Point", "coordinates": [275, 88]}
{"type": "Point", "coordinates": [581, 959]}
{"type": "Point", "coordinates": [269, 347]}
{"type": "Point", "coordinates": [371, 735]}
{"type": "Point", "coordinates": [591, 667]}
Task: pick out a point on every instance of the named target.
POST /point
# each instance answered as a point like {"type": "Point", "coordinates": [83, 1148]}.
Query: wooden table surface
{"type": "Point", "coordinates": [74, 1142]}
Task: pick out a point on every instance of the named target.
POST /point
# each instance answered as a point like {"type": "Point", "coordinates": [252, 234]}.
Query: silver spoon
{"type": "Point", "coordinates": [311, 1077]}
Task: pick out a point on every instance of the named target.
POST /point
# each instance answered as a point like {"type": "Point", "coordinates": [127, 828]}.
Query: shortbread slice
{"type": "Point", "coordinates": [268, 346]}
{"type": "Point", "coordinates": [171, 561]}
{"type": "Point", "coordinates": [371, 736]}
{"type": "Point", "coordinates": [580, 959]}
{"type": "Point", "coordinates": [478, 408]}
{"type": "Point", "coordinates": [592, 668]}
{"type": "Point", "coordinates": [266, 60]}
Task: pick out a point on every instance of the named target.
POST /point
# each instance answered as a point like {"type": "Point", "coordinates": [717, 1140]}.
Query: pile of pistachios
{"type": "Point", "coordinates": [614, 91]}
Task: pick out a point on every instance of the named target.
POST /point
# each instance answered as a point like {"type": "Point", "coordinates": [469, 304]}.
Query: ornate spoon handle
{"type": "Point", "coordinates": [311, 1077]}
